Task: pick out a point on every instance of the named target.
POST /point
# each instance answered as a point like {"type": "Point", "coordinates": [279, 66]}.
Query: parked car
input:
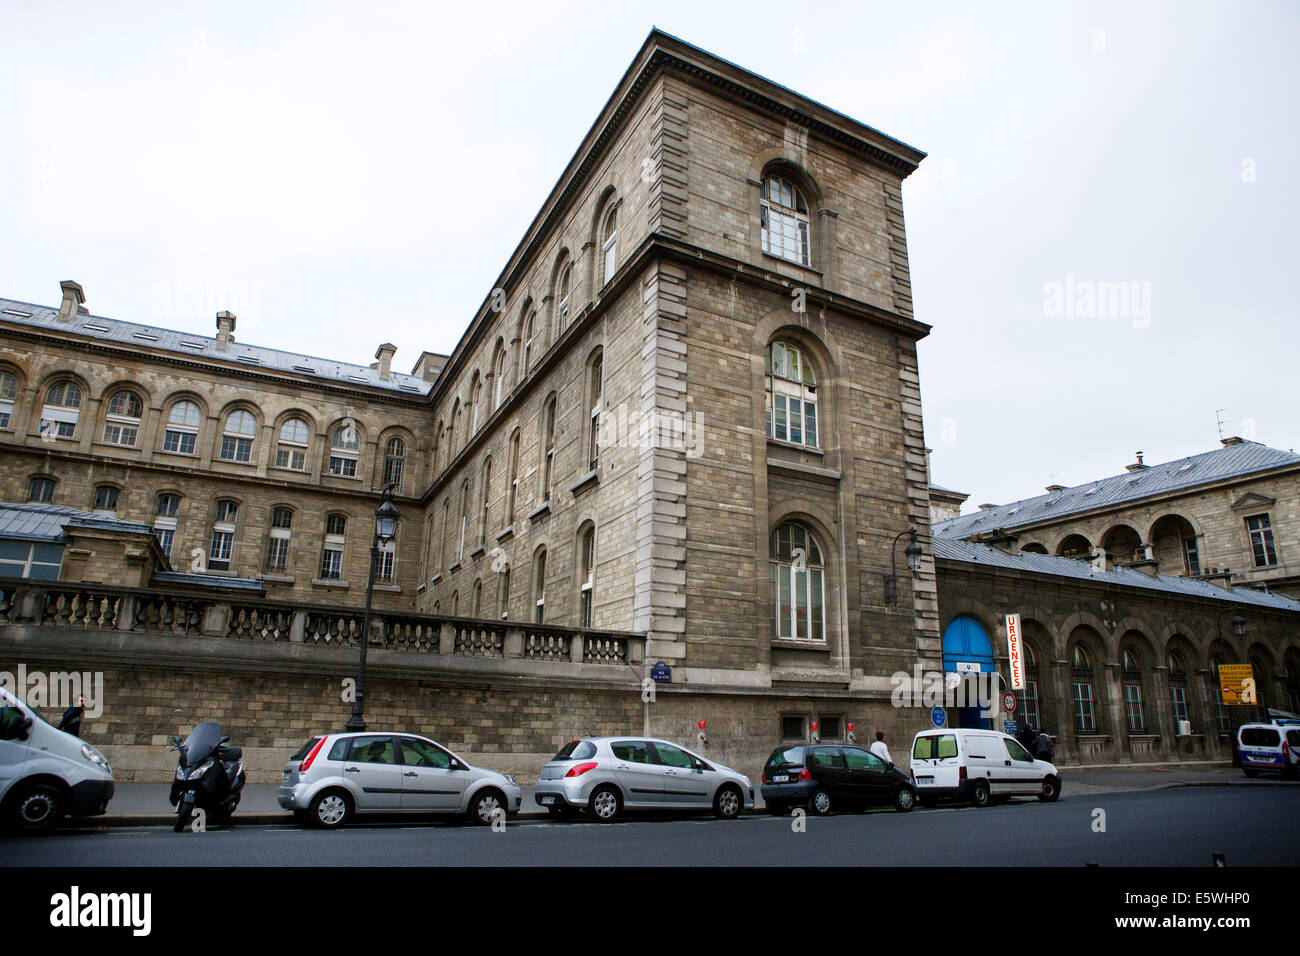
{"type": "Point", "coordinates": [1273, 748]}
{"type": "Point", "coordinates": [46, 774]}
{"type": "Point", "coordinates": [604, 776]}
{"type": "Point", "coordinates": [979, 766]}
{"type": "Point", "coordinates": [829, 777]}
{"type": "Point", "coordinates": [332, 777]}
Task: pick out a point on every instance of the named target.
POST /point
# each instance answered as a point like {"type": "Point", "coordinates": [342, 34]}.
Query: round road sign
{"type": "Point", "coordinates": [1009, 702]}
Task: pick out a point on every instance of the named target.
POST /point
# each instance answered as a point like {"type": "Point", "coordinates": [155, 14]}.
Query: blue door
{"type": "Point", "coordinates": [966, 642]}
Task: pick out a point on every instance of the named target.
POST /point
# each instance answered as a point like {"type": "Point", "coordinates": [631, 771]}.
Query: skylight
{"type": "Point", "coordinates": [91, 327]}
{"type": "Point", "coordinates": [18, 312]}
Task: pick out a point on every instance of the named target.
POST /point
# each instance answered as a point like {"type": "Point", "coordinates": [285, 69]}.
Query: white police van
{"type": "Point", "coordinates": [45, 773]}
{"type": "Point", "coordinates": [978, 765]}
{"type": "Point", "coordinates": [1272, 747]}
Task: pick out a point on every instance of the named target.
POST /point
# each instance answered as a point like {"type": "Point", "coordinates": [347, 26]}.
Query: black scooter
{"type": "Point", "coordinates": [209, 775]}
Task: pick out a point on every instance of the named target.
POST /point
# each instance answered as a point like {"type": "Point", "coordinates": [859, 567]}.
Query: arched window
{"type": "Point", "coordinates": [237, 438]}
{"type": "Point", "coordinates": [8, 394]}
{"type": "Point", "coordinates": [548, 448]}
{"type": "Point", "coordinates": [563, 291]}
{"type": "Point", "coordinates": [1030, 702]}
{"type": "Point", "coordinates": [446, 527]}
{"type": "Point", "coordinates": [791, 396]}
{"type": "Point", "coordinates": [1131, 678]}
{"type": "Point", "coordinates": [166, 509]}
{"type": "Point", "coordinates": [586, 574]}
{"type": "Point", "coordinates": [796, 583]}
{"type": "Point", "coordinates": [478, 598]}
{"type": "Point", "coordinates": [609, 244]}
{"type": "Point", "coordinates": [785, 220]}
{"type": "Point", "coordinates": [331, 560]}
{"type": "Point", "coordinates": [539, 585]}
{"type": "Point", "coordinates": [475, 399]}
{"type": "Point", "coordinates": [291, 452]}
{"type": "Point", "coordinates": [222, 546]}
{"type": "Point", "coordinates": [452, 424]}
{"type": "Point", "coordinates": [530, 334]}
{"type": "Point", "coordinates": [499, 377]}
{"type": "Point", "coordinates": [486, 483]}
{"type": "Point", "coordinates": [277, 548]}
{"type": "Point", "coordinates": [41, 490]}
{"type": "Point", "coordinates": [394, 462]}
{"type": "Point", "coordinates": [122, 423]}
{"type": "Point", "coordinates": [503, 593]}
{"type": "Point", "coordinates": [345, 449]}
{"type": "Point", "coordinates": [61, 411]}
{"type": "Point", "coordinates": [1085, 714]}
{"type": "Point", "coordinates": [437, 443]}
{"type": "Point", "coordinates": [595, 383]}
{"type": "Point", "coordinates": [182, 428]}
{"type": "Point", "coordinates": [512, 479]}
{"type": "Point", "coordinates": [105, 499]}
{"type": "Point", "coordinates": [465, 489]}
{"type": "Point", "coordinates": [1178, 686]}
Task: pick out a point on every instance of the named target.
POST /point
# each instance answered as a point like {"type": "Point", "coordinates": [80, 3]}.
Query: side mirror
{"type": "Point", "coordinates": [224, 740]}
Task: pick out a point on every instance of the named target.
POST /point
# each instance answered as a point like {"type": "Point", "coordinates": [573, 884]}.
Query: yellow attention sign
{"type": "Point", "coordinates": [1237, 683]}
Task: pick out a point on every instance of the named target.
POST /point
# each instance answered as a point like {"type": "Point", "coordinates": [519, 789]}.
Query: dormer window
{"type": "Point", "coordinates": [785, 220]}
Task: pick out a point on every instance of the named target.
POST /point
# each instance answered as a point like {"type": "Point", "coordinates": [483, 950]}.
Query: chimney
{"type": "Point", "coordinates": [225, 330]}
{"type": "Point", "coordinates": [73, 297]}
{"type": "Point", "coordinates": [1137, 465]}
{"type": "Point", "coordinates": [385, 355]}
{"type": "Point", "coordinates": [429, 366]}
{"type": "Point", "coordinates": [1053, 489]}
{"type": "Point", "coordinates": [1234, 440]}
{"type": "Point", "coordinates": [1103, 561]}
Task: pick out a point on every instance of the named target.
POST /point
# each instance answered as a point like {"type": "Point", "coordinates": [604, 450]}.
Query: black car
{"type": "Point", "coordinates": [828, 777]}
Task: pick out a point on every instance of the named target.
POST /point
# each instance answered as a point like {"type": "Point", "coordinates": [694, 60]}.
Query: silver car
{"type": "Point", "coordinates": [606, 775]}
{"type": "Point", "coordinates": [334, 776]}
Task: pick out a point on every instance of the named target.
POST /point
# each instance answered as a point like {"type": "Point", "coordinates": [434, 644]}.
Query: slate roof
{"type": "Point", "coordinates": [185, 343]}
{"type": "Point", "coordinates": [1231, 461]}
{"type": "Point", "coordinates": [42, 522]}
{"type": "Point", "coordinates": [972, 552]}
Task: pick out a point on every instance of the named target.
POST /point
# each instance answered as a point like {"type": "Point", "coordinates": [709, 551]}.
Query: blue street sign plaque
{"type": "Point", "coordinates": [661, 673]}
{"type": "Point", "coordinates": [938, 717]}
{"type": "Point", "coordinates": [1009, 727]}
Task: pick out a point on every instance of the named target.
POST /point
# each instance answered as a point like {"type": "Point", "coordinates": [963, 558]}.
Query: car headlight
{"type": "Point", "coordinates": [94, 756]}
{"type": "Point", "coordinates": [200, 770]}
{"type": "Point", "coordinates": [510, 779]}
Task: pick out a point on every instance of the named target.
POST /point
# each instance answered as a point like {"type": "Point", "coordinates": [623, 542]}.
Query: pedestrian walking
{"type": "Point", "coordinates": [880, 749]}
{"type": "Point", "coordinates": [1043, 745]}
{"type": "Point", "coordinates": [71, 721]}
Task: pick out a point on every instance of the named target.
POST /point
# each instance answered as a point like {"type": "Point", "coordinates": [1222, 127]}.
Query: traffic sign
{"type": "Point", "coordinates": [1009, 727]}
{"type": "Point", "coordinates": [938, 717]}
{"type": "Point", "coordinates": [1009, 702]}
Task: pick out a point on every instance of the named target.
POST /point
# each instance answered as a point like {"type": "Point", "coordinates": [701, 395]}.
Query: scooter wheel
{"type": "Point", "coordinates": [183, 813]}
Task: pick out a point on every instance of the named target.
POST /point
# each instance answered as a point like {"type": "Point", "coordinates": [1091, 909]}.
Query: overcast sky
{"type": "Point", "coordinates": [340, 174]}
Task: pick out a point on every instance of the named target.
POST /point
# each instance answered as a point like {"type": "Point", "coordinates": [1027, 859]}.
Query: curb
{"type": "Point", "coordinates": [244, 819]}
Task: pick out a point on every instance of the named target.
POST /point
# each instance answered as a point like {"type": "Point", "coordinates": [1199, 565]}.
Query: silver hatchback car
{"type": "Point", "coordinates": [606, 775]}
{"type": "Point", "coordinates": [334, 776]}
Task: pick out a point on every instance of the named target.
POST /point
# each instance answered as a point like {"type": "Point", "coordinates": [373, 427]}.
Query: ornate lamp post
{"type": "Point", "coordinates": [385, 529]}
{"type": "Point", "coordinates": [913, 552]}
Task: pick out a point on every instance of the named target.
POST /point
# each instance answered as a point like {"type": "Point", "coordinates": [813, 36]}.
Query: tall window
{"type": "Point", "coordinates": [106, 499]}
{"type": "Point", "coordinates": [1261, 540]}
{"type": "Point", "coordinates": [394, 462]}
{"type": "Point", "coordinates": [483, 507]}
{"type": "Point", "coordinates": [452, 425]}
{"type": "Point", "coordinates": [548, 447]}
{"type": "Point", "coordinates": [539, 586]}
{"type": "Point", "coordinates": [1191, 558]}
{"type": "Point", "coordinates": [1178, 686]}
{"type": "Point", "coordinates": [475, 399]}
{"type": "Point", "coordinates": [512, 481]}
{"type": "Point", "coordinates": [476, 608]}
{"type": "Point", "coordinates": [345, 449]}
{"type": "Point", "coordinates": [795, 583]}
{"type": "Point", "coordinates": [499, 377]}
{"type": "Point", "coordinates": [433, 457]}
{"type": "Point", "coordinates": [221, 548]}
{"type": "Point", "coordinates": [464, 519]}
{"type": "Point", "coordinates": [8, 395]}
{"type": "Point", "coordinates": [62, 409]}
{"type": "Point", "coordinates": [609, 245]}
{"type": "Point", "coordinates": [122, 423]}
{"type": "Point", "coordinates": [1085, 717]}
{"type": "Point", "coordinates": [530, 331]}
{"type": "Point", "coordinates": [594, 385]}
{"type": "Point", "coordinates": [331, 559]}
{"type": "Point", "coordinates": [785, 220]}
{"type": "Point", "coordinates": [1221, 709]}
{"type": "Point", "coordinates": [385, 562]}
{"type": "Point", "coordinates": [791, 396]}
{"type": "Point", "coordinates": [1131, 677]}
{"type": "Point", "coordinates": [166, 509]}
{"type": "Point", "coordinates": [1029, 703]}
{"type": "Point", "coordinates": [237, 439]}
{"type": "Point", "coordinates": [562, 294]}
{"type": "Point", "coordinates": [586, 576]}
{"type": "Point", "coordinates": [446, 526]}
{"type": "Point", "coordinates": [291, 452]}
{"type": "Point", "coordinates": [182, 428]}
{"type": "Point", "coordinates": [41, 490]}
{"type": "Point", "coordinates": [277, 546]}
{"type": "Point", "coordinates": [503, 594]}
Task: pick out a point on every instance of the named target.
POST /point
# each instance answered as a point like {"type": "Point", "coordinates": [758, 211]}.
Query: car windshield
{"type": "Point", "coordinates": [203, 739]}
{"type": "Point", "coordinates": [786, 757]}
{"type": "Point", "coordinates": [576, 750]}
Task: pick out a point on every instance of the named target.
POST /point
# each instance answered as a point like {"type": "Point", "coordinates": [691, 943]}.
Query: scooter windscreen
{"type": "Point", "coordinates": [200, 744]}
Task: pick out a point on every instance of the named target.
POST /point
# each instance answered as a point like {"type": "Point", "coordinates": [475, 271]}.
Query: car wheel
{"type": "Point", "coordinates": [487, 804]}
{"type": "Point", "coordinates": [37, 808]}
{"type": "Point", "coordinates": [979, 793]}
{"type": "Point", "coordinates": [605, 804]}
{"type": "Point", "coordinates": [904, 799]}
{"type": "Point", "coordinates": [331, 809]}
{"type": "Point", "coordinates": [728, 803]}
{"type": "Point", "coordinates": [820, 802]}
{"type": "Point", "coordinates": [1051, 790]}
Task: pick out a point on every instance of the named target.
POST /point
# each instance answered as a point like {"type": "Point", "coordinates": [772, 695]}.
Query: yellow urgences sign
{"type": "Point", "coordinates": [1237, 683]}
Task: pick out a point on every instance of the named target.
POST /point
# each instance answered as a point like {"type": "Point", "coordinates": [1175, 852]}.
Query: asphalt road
{"type": "Point", "coordinates": [1182, 827]}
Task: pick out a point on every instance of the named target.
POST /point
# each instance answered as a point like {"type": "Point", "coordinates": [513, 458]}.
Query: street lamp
{"type": "Point", "coordinates": [385, 530]}
{"type": "Point", "coordinates": [913, 552]}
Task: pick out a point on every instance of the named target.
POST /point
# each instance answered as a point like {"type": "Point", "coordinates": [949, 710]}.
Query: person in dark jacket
{"type": "Point", "coordinates": [1043, 745]}
{"type": "Point", "coordinates": [71, 721]}
{"type": "Point", "coordinates": [1026, 737]}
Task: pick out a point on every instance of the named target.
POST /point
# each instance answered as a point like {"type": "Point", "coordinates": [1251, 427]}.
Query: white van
{"type": "Point", "coordinates": [46, 773]}
{"type": "Point", "coordinates": [979, 766]}
{"type": "Point", "coordinates": [1274, 747]}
